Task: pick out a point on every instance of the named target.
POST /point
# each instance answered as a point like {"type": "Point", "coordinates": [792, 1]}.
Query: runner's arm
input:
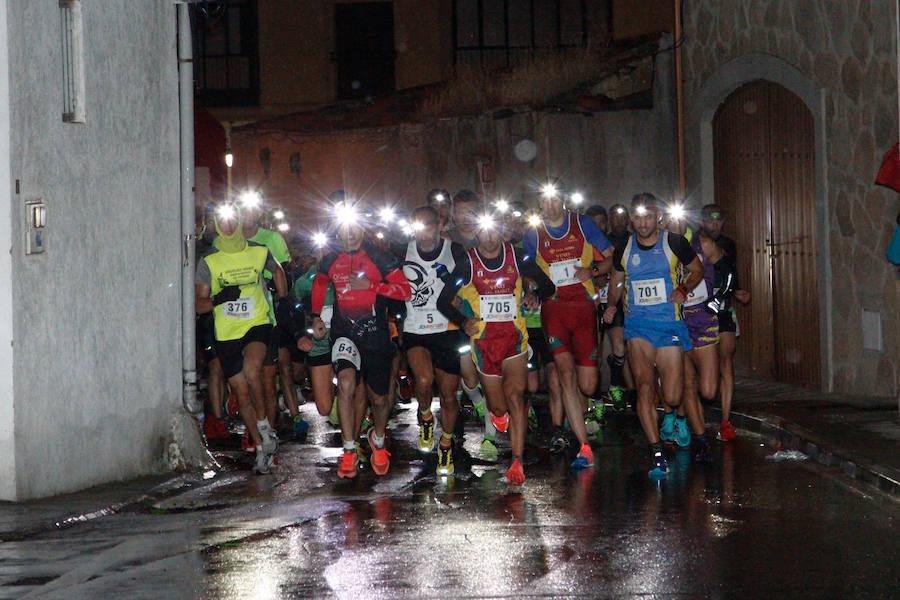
{"type": "Point", "coordinates": [457, 280]}
{"type": "Point", "coordinates": [617, 278]}
{"type": "Point", "coordinates": [394, 286]}
{"type": "Point", "coordinates": [529, 268]}
{"type": "Point", "coordinates": [319, 290]}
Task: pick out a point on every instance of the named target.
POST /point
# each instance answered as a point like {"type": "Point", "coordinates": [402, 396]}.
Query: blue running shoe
{"type": "Point", "coordinates": [667, 430]}
{"type": "Point", "coordinates": [682, 433]}
{"type": "Point", "coordinates": [660, 468]}
{"type": "Point", "coordinates": [584, 459]}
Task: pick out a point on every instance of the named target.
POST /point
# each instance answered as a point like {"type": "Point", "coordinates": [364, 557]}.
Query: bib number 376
{"type": "Point", "coordinates": [242, 308]}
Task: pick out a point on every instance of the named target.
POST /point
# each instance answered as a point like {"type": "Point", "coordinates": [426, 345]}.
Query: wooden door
{"type": "Point", "coordinates": [765, 180]}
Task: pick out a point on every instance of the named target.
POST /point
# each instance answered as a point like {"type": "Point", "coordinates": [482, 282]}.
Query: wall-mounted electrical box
{"type": "Point", "coordinates": [35, 226]}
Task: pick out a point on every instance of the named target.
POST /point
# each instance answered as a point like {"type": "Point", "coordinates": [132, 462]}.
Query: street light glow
{"type": "Point", "coordinates": [229, 159]}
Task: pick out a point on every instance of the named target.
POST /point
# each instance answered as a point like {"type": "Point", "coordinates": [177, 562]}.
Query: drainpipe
{"type": "Point", "coordinates": [679, 101]}
{"type": "Point", "coordinates": [188, 229]}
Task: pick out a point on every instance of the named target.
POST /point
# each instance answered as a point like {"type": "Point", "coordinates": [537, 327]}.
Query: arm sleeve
{"type": "Point", "coordinates": [272, 265]}
{"type": "Point", "coordinates": [395, 286]}
{"type": "Point", "coordinates": [319, 290]}
{"type": "Point", "coordinates": [458, 278]}
{"type": "Point", "coordinates": [681, 248]}
{"type": "Point", "coordinates": [618, 254]}
{"type": "Point", "coordinates": [592, 233]}
{"type": "Point", "coordinates": [529, 242]}
{"type": "Point", "coordinates": [458, 252]}
{"type": "Point", "coordinates": [529, 268]}
{"type": "Point", "coordinates": [203, 276]}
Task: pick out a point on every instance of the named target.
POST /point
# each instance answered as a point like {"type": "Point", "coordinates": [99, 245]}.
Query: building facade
{"type": "Point", "coordinates": [90, 311]}
{"type": "Point", "coordinates": [790, 106]}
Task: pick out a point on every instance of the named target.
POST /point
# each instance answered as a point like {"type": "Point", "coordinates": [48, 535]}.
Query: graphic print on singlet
{"type": "Point", "coordinates": [422, 315]}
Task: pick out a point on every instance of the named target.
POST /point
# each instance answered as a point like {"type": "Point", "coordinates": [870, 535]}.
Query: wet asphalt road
{"type": "Point", "coordinates": [743, 527]}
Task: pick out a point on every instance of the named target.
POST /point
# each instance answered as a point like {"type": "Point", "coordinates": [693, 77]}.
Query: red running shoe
{"type": "Point", "coordinates": [215, 429]}
{"type": "Point", "coordinates": [500, 423]}
{"type": "Point", "coordinates": [515, 475]}
{"type": "Point", "coordinates": [726, 431]}
{"type": "Point", "coordinates": [380, 458]}
{"type": "Point", "coordinates": [231, 406]}
{"type": "Point", "coordinates": [247, 444]}
{"type": "Point", "coordinates": [404, 387]}
{"type": "Point", "coordinates": [348, 464]}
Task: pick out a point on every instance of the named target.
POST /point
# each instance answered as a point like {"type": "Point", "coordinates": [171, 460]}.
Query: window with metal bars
{"type": "Point", "coordinates": [226, 36]}
{"type": "Point", "coordinates": [501, 33]}
{"type": "Point", "coordinates": [72, 61]}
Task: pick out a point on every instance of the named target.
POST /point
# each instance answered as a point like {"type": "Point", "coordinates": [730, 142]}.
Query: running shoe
{"type": "Point", "coordinates": [584, 459]}
{"type": "Point", "coordinates": [598, 410]}
{"type": "Point", "coordinates": [501, 424]}
{"type": "Point", "coordinates": [726, 431]}
{"type": "Point", "coordinates": [660, 467]}
{"type": "Point", "coordinates": [231, 405]}
{"type": "Point", "coordinates": [380, 458]}
{"type": "Point", "coordinates": [489, 450]}
{"type": "Point", "coordinates": [478, 410]}
{"type": "Point", "coordinates": [560, 441]}
{"type": "Point", "coordinates": [301, 427]}
{"type": "Point", "coordinates": [445, 460]}
{"type": "Point", "coordinates": [704, 452]}
{"type": "Point", "coordinates": [532, 419]}
{"type": "Point", "coordinates": [667, 429]}
{"type": "Point", "coordinates": [263, 463]}
{"type": "Point", "coordinates": [269, 440]}
{"type": "Point", "coordinates": [426, 434]}
{"type": "Point", "coordinates": [247, 443]}
{"type": "Point", "coordinates": [617, 396]}
{"type": "Point", "coordinates": [348, 464]}
{"type": "Point", "coordinates": [682, 433]}
{"type": "Point", "coordinates": [515, 475]}
{"type": "Point", "coordinates": [333, 417]}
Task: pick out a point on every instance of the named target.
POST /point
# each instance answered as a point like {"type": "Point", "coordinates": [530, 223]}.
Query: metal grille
{"type": "Point", "coordinates": [72, 61]}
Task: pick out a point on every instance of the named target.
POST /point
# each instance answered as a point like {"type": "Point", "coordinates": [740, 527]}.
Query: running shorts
{"type": "Point", "coordinates": [702, 326]}
{"type": "Point", "coordinates": [540, 349]}
{"type": "Point", "coordinates": [231, 352]}
{"type": "Point", "coordinates": [443, 346]}
{"type": "Point", "coordinates": [660, 334]}
{"type": "Point", "coordinates": [572, 327]}
{"type": "Point", "coordinates": [490, 352]}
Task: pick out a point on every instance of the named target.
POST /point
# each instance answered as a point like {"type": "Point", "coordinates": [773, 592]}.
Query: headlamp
{"type": "Point", "coordinates": [549, 190]}
{"type": "Point", "coordinates": [676, 211]}
{"type": "Point", "coordinates": [501, 205]}
{"type": "Point", "coordinates": [577, 198]}
{"type": "Point", "coordinates": [320, 240]}
{"type": "Point", "coordinates": [417, 226]}
{"type": "Point", "coordinates": [380, 235]}
{"type": "Point", "coordinates": [534, 220]}
{"type": "Point", "coordinates": [517, 214]}
{"type": "Point", "coordinates": [226, 212]}
{"type": "Point", "coordinates": [283, 227]}
{"type": "Point", "coordinates": [386, 215]}
{"type": "Point", "coordinates": [250, 199]}
{"type": "Point", "coordinates": [486, 222]}
{"type": "Point", "coordinates": [439, 198]}
{"type": "Point", "coordinates": [278, 214]}
{"type": "Point", "coordinates": [641, 210]}
{"type": "Point", "coordinates": [346, 213]}
{"type": "Point", "coordinates": [620, 210]}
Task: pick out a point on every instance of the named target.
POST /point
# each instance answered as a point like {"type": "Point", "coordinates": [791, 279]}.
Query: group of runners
{"type": "Point", "coordinates": [473, 301]}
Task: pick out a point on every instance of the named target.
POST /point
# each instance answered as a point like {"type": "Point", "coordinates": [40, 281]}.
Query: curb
{"type": "Point", "coordinates": [792, 437]}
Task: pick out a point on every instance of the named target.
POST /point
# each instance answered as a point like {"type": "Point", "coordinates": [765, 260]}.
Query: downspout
{"type": "Point", "coordinates": [679, 101]}
{"type": "Point", "coordinates": [188, 229]}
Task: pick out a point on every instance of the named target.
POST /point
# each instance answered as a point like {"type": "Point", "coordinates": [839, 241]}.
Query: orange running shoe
{"type": "Point", "coordinates": [380, 458]}
{"type": "Point", "coordinates": [500, 423]}
{"type": "Point", "coordinates": [515, 475]}
{"type": "Point", "coordinates": [584, 459]}
{"type": "Point", "coordinates": [726, 431]}
{"type": "Point", "coordinates": [347, 465]}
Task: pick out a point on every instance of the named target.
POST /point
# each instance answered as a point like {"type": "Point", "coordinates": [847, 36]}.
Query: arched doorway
{"type": "Point", "coordinates": [764, 169]}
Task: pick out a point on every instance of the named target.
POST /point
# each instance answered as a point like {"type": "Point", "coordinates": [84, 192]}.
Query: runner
{"type": "Point", "coordinates": [431, 342]}
{"type": "Point", "coordinates": [647, 273]}
{"type": "Point", "coordinates": [441, 200]}
{"type": "Point", "coordinates": [231, 284]}
{"type": "Point", "coordinates": [464, 231]}
{"type": "Point", "coordinates": [565, 245]}
{"type": "Point", "coordinates": [712, 222]}
{"type": "Point", "coordinates": [364, 279]}
{"type": "Point", "coordinates": [488, 282]}
{"type": "Point", "coordinates": [620, 381]}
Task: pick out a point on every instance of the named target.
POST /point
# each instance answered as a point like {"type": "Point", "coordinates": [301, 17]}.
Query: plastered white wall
{"type": "Point", "coordinates": [96, 318]}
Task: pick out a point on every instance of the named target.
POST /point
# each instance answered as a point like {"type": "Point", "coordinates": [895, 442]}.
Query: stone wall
{"type": "Point", "coordinates": [846, 50]}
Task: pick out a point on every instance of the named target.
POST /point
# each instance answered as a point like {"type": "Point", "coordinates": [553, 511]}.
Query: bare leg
{"type": "Point", "coordinates": [572, 398]}
{"type": "Point", "coordinates": [727, 346]}
{"type": "Point", "coordinates": [322, 387]}
{"type": "Point", "coordinates": [286, 375]}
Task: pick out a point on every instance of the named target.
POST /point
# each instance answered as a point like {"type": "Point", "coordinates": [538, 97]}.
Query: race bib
{"type": "Point", "coordinates": [603, 294]}
{"type": "Point", "coordinates": [326, 314]}
{"type": "Point", "coordinates": [345, 349]}
{"type": "Point", "coordinates": [648, 292]}
{"type": "Point", "coordinates": [563, 272]}
{"type": "Point", "coordinates": [698, 294]}
{"type": "Point", "coordinates": [425, 320]}
{"type": "Point", "coordinates": [242, 308]}
{"type": "Point", "coordinates": [498, 308]}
